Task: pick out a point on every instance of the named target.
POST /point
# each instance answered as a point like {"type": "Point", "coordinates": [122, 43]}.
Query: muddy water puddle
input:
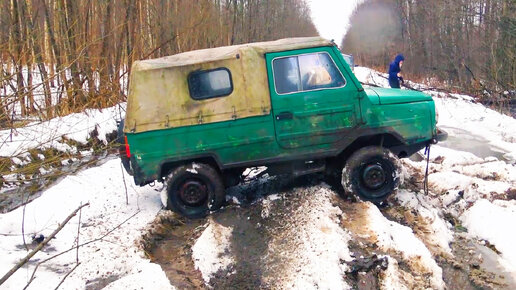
{"type": "Point", "coordinates": [462, 140]}
{"type": "Point", "coordinates": [172, 250]}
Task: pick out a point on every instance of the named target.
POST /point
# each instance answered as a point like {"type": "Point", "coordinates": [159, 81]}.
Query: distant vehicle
{"type": "Point", "coordinates": [349, 60]}
{"type": "Point", "coordinates": [198, 119]}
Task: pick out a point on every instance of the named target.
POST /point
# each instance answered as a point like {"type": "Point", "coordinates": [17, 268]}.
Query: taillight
{"type": "Point", "coordinates": [127, 151]}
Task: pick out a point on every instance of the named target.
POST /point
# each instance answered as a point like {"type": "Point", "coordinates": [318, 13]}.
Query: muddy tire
{"type": "Point", "coordinates": [194, 190]}
{"type": "Point", "coordinates": [371, 173]}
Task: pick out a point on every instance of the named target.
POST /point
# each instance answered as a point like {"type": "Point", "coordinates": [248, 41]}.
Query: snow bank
{"type": "Point", "coordinates": [211, 251]}
{"type": "Point", "coordinates": [391, 235]}
{"type": "Point", "coordinates": [49, 134]}
{"type": "Point", "coordinates": [440, 234]}
{"type": "Point", "coordinates": [115, 256]}
{"type": "Point", "coordinates": [321, 245]}
{"type": "Point", "coordinates": [494, 222]}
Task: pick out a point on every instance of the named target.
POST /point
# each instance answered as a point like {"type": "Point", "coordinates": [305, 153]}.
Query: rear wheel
{"type": "Point", "coordinates": [194, 190]}
{"type": "Point", "coordinates": [371, 173]}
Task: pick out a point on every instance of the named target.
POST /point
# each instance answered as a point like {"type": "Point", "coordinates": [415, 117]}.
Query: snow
{"type": "Point", "coordinates": [321, 246]}
{"type": "Point", "coordinates": [465, 185]}
{"type": "Point", "coordinates": [391, 276]}
{"type": "Point", "coordinates": [146, 276]}
{"type": "Point", "coordinates": [211, 250]}
{"type": "Point", "coordinates": [115, 256]}
{"type": "Point", "coordinates": [499, 130]}
{"type": "Point", "coordinates": [313, 256]}
{"type": "Point", "coordinates": [440, 231]}
{"type": "Point", "coordinates": [391, 235]}
{"type": "Point", "coordinates": [49, 134]}
{"type": "Point", "coordinates": [493, 221]}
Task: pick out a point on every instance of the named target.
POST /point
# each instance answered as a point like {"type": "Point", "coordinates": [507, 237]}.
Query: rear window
{"type": "Point", "coordinates": [208, 84]}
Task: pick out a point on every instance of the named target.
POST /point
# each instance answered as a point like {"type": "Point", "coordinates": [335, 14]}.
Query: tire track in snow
{"type": "Point", "coordinates": [401, 245]}
{"type": "Point", "coordinates": [288, 240]}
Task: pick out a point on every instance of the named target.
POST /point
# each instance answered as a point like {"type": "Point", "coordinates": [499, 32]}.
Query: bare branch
{"type": "Point", "coordinates": [66, 276]}
{"type": "Point", "coordinates": [40, 246]}
{"type": "Point", "coordinates": [32, 277]}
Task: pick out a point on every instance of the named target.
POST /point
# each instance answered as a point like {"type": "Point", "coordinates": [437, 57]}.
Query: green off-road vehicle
{"type": "Point", "coordinates": [198, 119]}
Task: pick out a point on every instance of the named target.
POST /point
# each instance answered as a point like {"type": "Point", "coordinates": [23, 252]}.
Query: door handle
{"type": "Point", "coordinates": [284, 116]}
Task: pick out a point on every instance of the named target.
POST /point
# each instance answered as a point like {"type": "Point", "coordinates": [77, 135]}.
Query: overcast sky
{"type": "Point", "coordinates": [331, 17]}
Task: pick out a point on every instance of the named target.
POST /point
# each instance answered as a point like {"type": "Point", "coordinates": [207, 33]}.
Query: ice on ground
{"type": "Point", "coordinates": [113, 257]}
{"type": "Point", "coordinates": [493, 221]}
{"type": "Point", "coordinates": [450, 157]}
{"type": "Point", "coordinates": [211, 251]}
{"type": "Point", "coordinates": [499, 129]}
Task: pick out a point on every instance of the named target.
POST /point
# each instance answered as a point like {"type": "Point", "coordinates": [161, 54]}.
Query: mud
{"type": "Point", "coordinates": [169, 243]}
{"type": "Point", "coordinates": [264, 242]}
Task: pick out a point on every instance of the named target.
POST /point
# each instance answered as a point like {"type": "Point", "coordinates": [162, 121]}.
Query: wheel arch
{"type": "Point", "coordinates": [385, 140]}
{"type": "Point", "coordinates": [168, 165]}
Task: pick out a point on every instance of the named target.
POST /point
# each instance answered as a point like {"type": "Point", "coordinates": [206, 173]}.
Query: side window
{"type": "Point", "coordinates": [210, 83]}
{"type": "Point", "coordinates": [319, 71]}
{"type": "Point", "coordinates": [306, 72]}
{"type": "Point", "coordinates": [286, 75]}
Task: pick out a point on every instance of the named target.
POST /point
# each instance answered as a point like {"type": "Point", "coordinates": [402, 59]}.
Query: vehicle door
{"type": "Point", "coordinates": [313, 99]}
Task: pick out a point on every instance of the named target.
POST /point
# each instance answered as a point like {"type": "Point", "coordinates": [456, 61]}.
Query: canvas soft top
{"type": "Point", "coordinates": [159, 96]}
{"type": "Point", "coordinates": [227, 52]}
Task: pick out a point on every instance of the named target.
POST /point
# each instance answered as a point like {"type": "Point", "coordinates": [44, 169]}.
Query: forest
{"type": "Point", "coordinates": [62, 56]}
{"type": "Point", "coordinates": [467, 45]}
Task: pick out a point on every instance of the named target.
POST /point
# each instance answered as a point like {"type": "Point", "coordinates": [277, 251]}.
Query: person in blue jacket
{"type": "Point", "coordinates": [395, 76]}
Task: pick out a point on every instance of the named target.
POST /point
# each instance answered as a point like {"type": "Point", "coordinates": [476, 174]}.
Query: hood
{"type": "Point", "coordinates": [399, 58]}
{"type": "Point", "coordinates": [383, 96]}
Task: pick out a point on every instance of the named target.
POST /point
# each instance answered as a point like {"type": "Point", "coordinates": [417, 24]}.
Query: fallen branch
{"type": "Point", "coordinates": [23, 223]}
{"type": "Point", "coordinates": [32, 277]}
{"type": "Point", "coordinates": [125, 185]}
{"type": "Point", "coordinates": [40, 246]}
{"type": "Point", "coordinates": [78, 235]}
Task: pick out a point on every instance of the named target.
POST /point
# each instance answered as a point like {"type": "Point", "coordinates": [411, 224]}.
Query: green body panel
{"type": "Point", "coordinates": [323, 123]}
{"type": "Point", "coordinates": [396, 96]}
{"type": "Point", "coordinates": [412, 121]}
{"type": "Point", "coordinates": [318, 116]}
{"type": "Point", "coordinates": [228, 142]}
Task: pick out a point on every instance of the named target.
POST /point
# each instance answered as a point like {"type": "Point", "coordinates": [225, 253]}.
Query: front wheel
{"type": "Point", "coordinates": [372, 173]}
{"type": "Point", "coordinates": [194, 190]}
